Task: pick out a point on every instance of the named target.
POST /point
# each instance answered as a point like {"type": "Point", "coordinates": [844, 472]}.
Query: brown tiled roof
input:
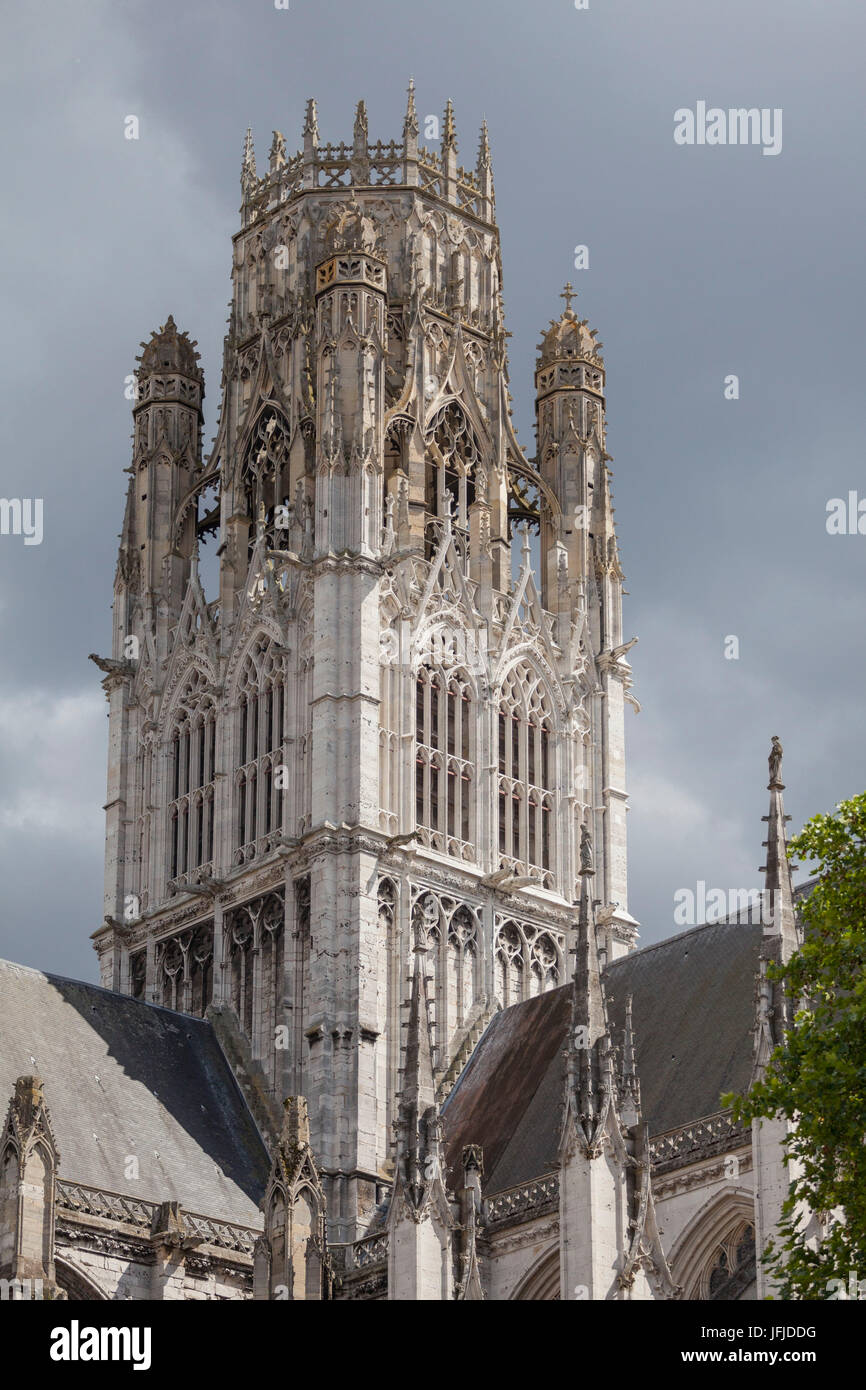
{"type": "Point", "coordinates": [693, 1012]}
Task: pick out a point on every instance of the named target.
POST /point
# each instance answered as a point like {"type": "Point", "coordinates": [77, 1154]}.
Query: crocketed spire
{"type": "Point", "coordinates": [569, 337]}
{"type": "Point", "coordinates": [170, 351]}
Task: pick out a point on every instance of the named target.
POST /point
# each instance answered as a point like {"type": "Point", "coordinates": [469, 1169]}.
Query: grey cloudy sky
{"type": "Point", "coordinates": [704, 261]}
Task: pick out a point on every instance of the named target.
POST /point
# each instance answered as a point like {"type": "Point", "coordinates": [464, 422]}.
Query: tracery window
{"type": "Point", "coordinates": [453, 931]}
{"type": "Point", "coordinates": [265, 475]}
{"type": "Point", "coordinates": [191, 765]}
{"type": "Point", "coordinates": [453, 458]}
{"type": "Point", "coordinates": [261, 773]}
{"type": "Point", "coordinates": [254, 947]}
{"type": "Point", "coordinates": [732, 1267]}
{"type": "Point", "coordinates": [527, 961]}
{"type": "Point", "coordinates": [526, 775]}
{"type": "Point", "coordinates": [184, 971]}
{"type": "Point", "coordinates": [444, 761]}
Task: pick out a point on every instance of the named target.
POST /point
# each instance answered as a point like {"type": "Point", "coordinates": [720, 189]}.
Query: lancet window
{"type": "Point", "coordinates": [444, 761]}
{"type": "Point", "coordinates": [526, 774]}
{"type": "Point", "coordinates": [191, 764]}
{"type": "Point", "coordinates": [453, 457]}
{"type": "Point", "coordinates": [452, 931]}
{"type": "Point", "coordinates": [261, 774]}
{"type": "Point", "coordinates": [265, 475]}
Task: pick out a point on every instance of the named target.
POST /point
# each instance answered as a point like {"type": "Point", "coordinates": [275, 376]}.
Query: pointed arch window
{"type": "Point", "coordinates": [260, 779]}
{"type": "Point", "coordinates": [444, 761]}
{"type": "Point", "coordinates": [265, 474]}
{"type": "Point", "coordinates": [191, 767]}
{"type": "Point", "coordinates": [453, 458]}
{"type": "Point", "coordinates": [526, 776]}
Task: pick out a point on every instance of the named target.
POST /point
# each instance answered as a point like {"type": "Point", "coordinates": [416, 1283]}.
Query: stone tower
{"type": "Point", "coordinates": [408, 694]}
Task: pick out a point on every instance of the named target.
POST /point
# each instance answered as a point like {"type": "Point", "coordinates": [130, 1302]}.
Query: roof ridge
{"type": "Point", "coordinates": [103, 989]}
{"type": "Point", "coordinates": [678, 936]}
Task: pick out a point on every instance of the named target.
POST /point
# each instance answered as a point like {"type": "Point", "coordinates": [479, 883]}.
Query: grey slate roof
{"type": "Point", "coordinates": [126, 1078]}
{"type": "Point", "coordinates": [693, 1006]}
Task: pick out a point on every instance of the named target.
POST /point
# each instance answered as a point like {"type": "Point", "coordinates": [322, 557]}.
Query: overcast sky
{"type": "Point", "coordinates": [704, 261]}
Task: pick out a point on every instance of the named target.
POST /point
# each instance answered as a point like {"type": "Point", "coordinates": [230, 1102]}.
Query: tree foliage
{"type": "Point", "coordinates": [817, 1078]}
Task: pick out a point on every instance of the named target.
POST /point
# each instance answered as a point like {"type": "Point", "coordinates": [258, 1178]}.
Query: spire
{"type": "Point", "coordinates": [311, 121]}
{"type": "Point", "coordinates": [629, 1083]}
{"type": "Point", "coordinates": [629, 1073]}
{"type": "Point", "coordinates": [418, 1125]}
{"type": "Point", "coordinates": [169, 350]}
{"type": "Point", "coordinates": [469, 1287]}
{"type": "Point", "coordinates": [483, 148]}
{"type": "Point", "coordinates": [248, 168]}
{"type": "Point", "coordinates": [360, 166]}
{"type": "Point", "coordinates": [484, 174]}
{"type": "Point", "coordinates": [410, 139]}
{"type": "Point", "coordinates": [779, 913]}
{"type": "Point", "coordinates": [449, 129]}
{"type": "Point", "coordinates": [589, 1060]}
{"type": "Point", "coordinates": [780, 938]}
{"type": "Point", "coordinates": [311, 143]}
{"type": "Point", "coordinates": [277, 156]}
{"type": "Point", "coordinates": [410, 124]}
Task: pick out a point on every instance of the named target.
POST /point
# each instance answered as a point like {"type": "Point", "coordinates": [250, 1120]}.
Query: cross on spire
{"type": "Point", "coordinates": [568, 294]}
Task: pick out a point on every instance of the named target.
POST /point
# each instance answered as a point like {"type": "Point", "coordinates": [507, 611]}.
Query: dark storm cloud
{"type": "Point", "coordinates": [703, 262]}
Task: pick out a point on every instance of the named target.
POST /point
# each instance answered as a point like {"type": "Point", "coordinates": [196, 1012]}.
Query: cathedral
{"type": "Point", "coordinates": [373, 1023]}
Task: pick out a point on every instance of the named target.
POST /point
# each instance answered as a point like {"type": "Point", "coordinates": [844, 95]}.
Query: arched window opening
{"type": "Point", "coordinates": [731, 1269]}
{"type": "Point", "coordinates": [444, 762]}
{"type": "Point", "coordinates": [526, 776]}
{"type": "Point", "coordinates": [192, 754]}
{"type": "Point", "coordinates": [453, 456]}
{"type": "Point", "coordinates": [260, 779]}
{"type": "Point", "coordinates": [527, 961]}
{"type": "Point", "coordinates": [265, 473]}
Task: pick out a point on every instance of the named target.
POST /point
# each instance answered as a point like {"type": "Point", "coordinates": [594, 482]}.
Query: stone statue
{"type": "Point", "coordinates": [586, 864]}
{"type": "Point", "coordinates": [775, 762]}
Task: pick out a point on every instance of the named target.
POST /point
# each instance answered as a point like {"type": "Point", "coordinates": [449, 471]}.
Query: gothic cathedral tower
{"type": "Point", "coordinates": [408, 695]}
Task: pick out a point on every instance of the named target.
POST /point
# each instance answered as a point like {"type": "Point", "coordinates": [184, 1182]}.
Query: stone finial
{"type": "Point", "coordinates": [410, 123]}
{"type": "Point", "coordinates": [311, 120]}
{"type": "Point", "coordinates": [29, 1097]}
{"type": "Point", "coordinates": [484, 148]}
{"type": "Point", "coordinates": [779, 916]}
{"type": "Point", "coordinates": [277, 156]}
{"type": "Point", "coordinates": [296, 1121]}
{"type": "Point", "coordinates": [449, 128]}
{"type": "Point", "coordinates": [473, 1159]}
{"type": "Point", "coordinates": [248, 167]}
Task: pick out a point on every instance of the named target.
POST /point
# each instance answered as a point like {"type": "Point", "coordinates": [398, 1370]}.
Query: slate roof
{"type": "Point", "coordinates": [127, 1078]}
{"type": "Point", "coordinates": [693, 1007]}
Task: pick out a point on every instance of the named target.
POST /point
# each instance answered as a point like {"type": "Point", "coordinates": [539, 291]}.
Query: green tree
{"type": "Point", "coordinates": [817, 1078]}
